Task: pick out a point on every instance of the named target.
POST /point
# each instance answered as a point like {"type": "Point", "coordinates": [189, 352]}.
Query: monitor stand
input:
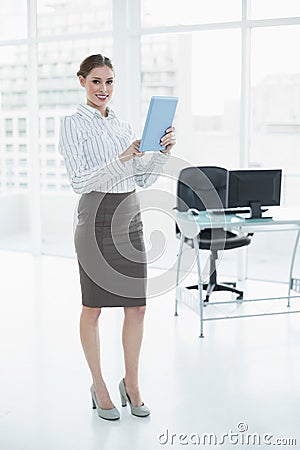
{"type": "Point", "coordinates": [256, 211]}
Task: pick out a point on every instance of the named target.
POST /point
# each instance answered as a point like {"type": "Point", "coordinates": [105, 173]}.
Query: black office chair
{"type": "Point", "coordinates": [205, 188]}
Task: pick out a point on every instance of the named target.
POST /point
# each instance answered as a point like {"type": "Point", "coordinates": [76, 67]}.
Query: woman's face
{"type": "Point", "coordinates": [99, 86]}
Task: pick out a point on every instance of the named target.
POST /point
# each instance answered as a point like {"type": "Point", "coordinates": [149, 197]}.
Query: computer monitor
{"type": "Point", "coordinates": [254, 189]}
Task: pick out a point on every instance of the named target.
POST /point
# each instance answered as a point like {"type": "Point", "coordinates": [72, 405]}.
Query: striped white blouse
{"type": "Point", "coordinates": [91, 143]}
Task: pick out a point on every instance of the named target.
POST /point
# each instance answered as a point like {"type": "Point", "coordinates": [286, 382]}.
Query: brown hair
{"type": "Point", "coordinates": [93, 61]}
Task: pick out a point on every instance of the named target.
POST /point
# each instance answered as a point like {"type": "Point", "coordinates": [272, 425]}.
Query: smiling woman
{"type": "Point", "coordinates": [104, 165]}
{"type": "Point", "coordinates": [99, 88]}
{"type": "Point", "coordinates": [96, 75]}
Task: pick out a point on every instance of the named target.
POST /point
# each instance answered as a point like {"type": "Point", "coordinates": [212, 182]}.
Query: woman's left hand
{"type": "Point", "coordinates": [168, 140]}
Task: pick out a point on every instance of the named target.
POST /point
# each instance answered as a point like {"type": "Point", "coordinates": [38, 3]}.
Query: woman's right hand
{"type": "Point", "coordinates": [132, 151]}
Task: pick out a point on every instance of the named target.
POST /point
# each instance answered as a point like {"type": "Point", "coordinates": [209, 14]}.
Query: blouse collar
{"type": "Point", "coordinates": [88, 112]}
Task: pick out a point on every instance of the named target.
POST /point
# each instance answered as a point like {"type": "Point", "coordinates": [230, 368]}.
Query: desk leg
{"type": "Point", "coordinates": [178, 272]}
{"type": "Point", "coordinates": [242, 262]}
{"type": "Point", "coordinates": [292, 267]}
{"type": "Point", "coordinates": [196, 247]}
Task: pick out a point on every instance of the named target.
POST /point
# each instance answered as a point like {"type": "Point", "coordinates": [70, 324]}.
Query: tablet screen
{"type": "Point", "coordinates": [159, 118]}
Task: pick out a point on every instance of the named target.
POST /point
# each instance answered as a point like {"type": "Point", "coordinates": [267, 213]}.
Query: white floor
{"type": "Point", "coordinates": [243, 371]}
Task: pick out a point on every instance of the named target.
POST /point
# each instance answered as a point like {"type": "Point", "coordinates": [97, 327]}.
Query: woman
{"type": "Point", "coordinates": [104, 166]}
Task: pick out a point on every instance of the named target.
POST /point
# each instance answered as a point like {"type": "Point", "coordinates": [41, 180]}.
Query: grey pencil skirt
{"type": "Point", "coordinates": [110, 250]}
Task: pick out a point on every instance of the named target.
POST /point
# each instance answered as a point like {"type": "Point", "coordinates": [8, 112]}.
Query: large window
{"type": "Point", "coordinates": [234, 66]}
{"type": "Point", "coordinates": [13, 19]}
{"type": "Point", "coordinates": [13, 110]}
{"type": "Point", "coordinates": [275, 105]}
{"type": "Point", "coordinates": [268, 9]}
{"type": "Point", "coordinates": [203, 70]}
{"type": "Point", "coordinates": [73, 16]}
{"type": "Point", "coordinates": [170, 12]}
{"type": "Point", "coordinates": [14, 226]}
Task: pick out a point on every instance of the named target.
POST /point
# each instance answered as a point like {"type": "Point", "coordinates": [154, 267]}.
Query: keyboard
{"type": "Point", "coordinates": [234, 211]}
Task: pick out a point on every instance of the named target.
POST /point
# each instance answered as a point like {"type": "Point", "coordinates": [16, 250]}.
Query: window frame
{"type": "Point", "coordinates": [126, 29]}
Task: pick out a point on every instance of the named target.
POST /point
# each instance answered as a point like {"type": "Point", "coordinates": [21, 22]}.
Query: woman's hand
{"type": "Point", "coordinates": [168, 140]}
{"type": "Point", "coordinates": [132, 151]}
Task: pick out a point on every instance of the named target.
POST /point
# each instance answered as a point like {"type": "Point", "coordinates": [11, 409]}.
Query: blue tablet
{"type": "Point", "coordinates": [159, 118]}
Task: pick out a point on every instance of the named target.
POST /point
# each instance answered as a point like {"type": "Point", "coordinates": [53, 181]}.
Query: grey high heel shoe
{"type": "Point", "coordinates": [139, 411]}
{"type": "Point", "coordinates": [108, 414]}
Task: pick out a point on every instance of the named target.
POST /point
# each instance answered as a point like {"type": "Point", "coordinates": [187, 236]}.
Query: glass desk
{"type": "Point", "coordinates": [190, 226]}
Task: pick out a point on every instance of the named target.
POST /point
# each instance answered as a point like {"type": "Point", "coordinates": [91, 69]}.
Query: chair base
{"type": "Point", "coordinates": [210, 287]}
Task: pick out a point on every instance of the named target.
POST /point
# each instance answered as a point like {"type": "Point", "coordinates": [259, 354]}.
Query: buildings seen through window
{"type": "Point", "coordinates": [274, 99]}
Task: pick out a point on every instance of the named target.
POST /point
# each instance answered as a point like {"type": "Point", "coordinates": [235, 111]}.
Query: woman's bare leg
{"type": "Point", "coordinates": [89, 335]}
{"type": "Point", "coordinates": [132, 336]}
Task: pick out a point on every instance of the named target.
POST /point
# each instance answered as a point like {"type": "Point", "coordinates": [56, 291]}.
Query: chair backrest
{"type": "Point", "coordinates": [202, 187]}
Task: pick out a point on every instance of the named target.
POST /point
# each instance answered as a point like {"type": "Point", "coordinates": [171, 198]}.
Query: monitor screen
{"type": "Point", "coordinates": [254, 189]}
